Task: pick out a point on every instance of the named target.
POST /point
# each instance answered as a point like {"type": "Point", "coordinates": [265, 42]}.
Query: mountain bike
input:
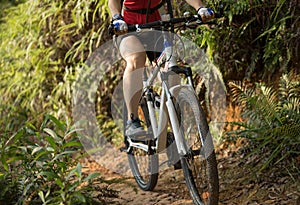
{"type": "Point", "coordinates": [174, 122]}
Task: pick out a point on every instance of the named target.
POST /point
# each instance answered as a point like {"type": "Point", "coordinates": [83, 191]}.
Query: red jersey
{"type": "Point", "coordinates": [131, 17]}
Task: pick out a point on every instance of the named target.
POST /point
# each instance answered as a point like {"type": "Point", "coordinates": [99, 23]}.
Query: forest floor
{"type": "Point", "coordinates": [239, 183]}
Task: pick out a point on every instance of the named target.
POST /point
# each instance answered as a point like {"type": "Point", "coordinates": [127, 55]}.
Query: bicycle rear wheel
{"type": "Point", "coordinates": [199, 164]}
{"type": "Point", "coordinates": [143, 165]}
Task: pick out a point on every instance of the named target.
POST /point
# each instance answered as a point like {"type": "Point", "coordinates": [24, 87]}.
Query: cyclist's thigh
{"type": "Point", "coordinates": [130, 45]}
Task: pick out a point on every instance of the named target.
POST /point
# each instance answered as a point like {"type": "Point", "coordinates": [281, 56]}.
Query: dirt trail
{"type": "Point", "coordinates": [170, 188]}
{"type": "Point", "coordinates": [238, 184]}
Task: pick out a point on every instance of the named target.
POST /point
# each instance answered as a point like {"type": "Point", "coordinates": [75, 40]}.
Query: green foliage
{"type": "Point", "coordinates": [73, 28]}
{"type": "Point", "coordinates": [255, 39]}
{"type": "Point", "coordinates": [272, 118]}
{"type": "Point", "coordinates": [110, 130]}
{"type": "Point", "coordinates": [41, 45]}
{"type": "Point", "coordinates": [43, 167]}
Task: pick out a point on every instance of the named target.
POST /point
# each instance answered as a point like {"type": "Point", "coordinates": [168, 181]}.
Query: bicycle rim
{"type": "Point", "coordinates": [143, 165]}
{"type": "Point", "coordinates": [199, 164]}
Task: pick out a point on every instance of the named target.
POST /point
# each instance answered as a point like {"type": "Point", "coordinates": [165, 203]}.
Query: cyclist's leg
{"type": "Point", "coordinates": [143, 164]}
{"type": "Point", "coordinates": [134, 54]}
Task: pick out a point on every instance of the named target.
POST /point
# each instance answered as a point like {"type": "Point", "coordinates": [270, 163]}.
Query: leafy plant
{"type": "Point", "coordinates": [255, 39]}
{"type": "Point", "coordinates": [272, 118]}
{"type": "Point", "coordinates": [43, 167]}
{"type": "Point", "coordinates": [41, 44]}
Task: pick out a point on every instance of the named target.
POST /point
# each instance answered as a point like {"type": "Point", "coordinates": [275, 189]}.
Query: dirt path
{"type": "Point", "coordinates": [170, 188]}
{"type": "Point", "coordinates": [238, 185]}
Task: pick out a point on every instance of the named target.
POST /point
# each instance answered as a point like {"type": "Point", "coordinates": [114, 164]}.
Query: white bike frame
{"type": "Point", "coordinates": [159, 126]}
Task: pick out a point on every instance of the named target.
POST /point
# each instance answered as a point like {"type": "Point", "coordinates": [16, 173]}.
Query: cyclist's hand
{"type": "Point", "coordinates": [120, 26]}
{"type": "Point", "coordinates": [206, 14]}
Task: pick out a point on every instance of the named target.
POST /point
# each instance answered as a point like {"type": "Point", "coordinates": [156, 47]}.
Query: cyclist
{"type": "Point", "coordinates": [133, 51]}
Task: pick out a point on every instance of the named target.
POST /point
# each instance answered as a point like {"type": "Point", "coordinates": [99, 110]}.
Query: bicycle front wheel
{"type": "Point", "coordinates": [143, 164]}
{"type": "Point", "coordinates": [199, 163]}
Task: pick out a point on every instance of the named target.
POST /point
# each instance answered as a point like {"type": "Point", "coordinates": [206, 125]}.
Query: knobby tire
{"type": "Point", "coordinates": [199, 164]}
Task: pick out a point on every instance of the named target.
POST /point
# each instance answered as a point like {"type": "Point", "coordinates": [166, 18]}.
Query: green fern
{"type": "Point", "coordinates": [271, 117]}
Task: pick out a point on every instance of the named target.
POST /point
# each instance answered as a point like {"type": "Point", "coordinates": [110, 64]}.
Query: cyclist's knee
{"type": "Point", "coordinates": [132, 50]}
{"type": "Point", "coordinates": [136, 60]}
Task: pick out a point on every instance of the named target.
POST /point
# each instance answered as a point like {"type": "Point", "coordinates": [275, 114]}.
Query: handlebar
{"type": "Point", "coordinates": [164, 24]}
{"type": "Point", "coordinates": [190, 21]}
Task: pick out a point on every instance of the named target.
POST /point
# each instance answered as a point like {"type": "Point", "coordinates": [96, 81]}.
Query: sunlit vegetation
{"type": "Point", "coordinates": [43, 44]}
{"type": "Point", "coordinates": [272, 119]}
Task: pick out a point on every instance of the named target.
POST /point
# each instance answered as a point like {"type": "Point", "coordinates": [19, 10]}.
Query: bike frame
{"type": "Point", "coordinates": [159, 126]}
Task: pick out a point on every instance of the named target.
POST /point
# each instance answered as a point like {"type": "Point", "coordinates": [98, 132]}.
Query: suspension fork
{"type": "Point", "coordinates": [172, 114]}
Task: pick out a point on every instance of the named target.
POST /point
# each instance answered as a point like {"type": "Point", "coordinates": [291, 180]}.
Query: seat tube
{"type": "Point", "coordinates": [163, 123]}
{"type": "Point", "coordinates": [151, 112]}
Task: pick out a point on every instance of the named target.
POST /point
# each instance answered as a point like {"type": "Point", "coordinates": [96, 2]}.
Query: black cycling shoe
{"type": "Point", "coordinates": [135, 131]}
